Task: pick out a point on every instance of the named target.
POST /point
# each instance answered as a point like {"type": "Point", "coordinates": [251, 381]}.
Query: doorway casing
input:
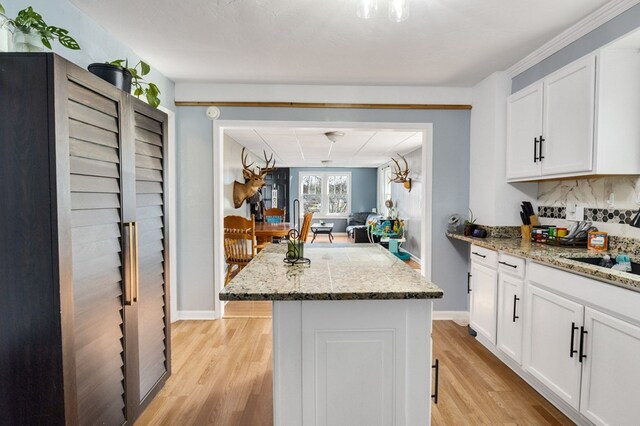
{"type": "Point", "coordinates": [219, 127]}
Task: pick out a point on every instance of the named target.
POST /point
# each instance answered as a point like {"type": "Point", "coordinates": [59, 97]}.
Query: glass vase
{"type": "Point", "coordinates": [27, 41]}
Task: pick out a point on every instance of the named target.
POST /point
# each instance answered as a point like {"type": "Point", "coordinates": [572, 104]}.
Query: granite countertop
{"type": "Point", "coordinates": [341, 272]}
{"type": "Point", "coordinates": [556, 256]}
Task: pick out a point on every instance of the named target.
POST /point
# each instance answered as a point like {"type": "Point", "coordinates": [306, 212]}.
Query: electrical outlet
{"type": "Point", "coordinates": [575, 211]}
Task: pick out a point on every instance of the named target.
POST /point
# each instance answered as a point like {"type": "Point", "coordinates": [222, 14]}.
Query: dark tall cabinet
{"type": "Point", "coordinates": [84, 310]}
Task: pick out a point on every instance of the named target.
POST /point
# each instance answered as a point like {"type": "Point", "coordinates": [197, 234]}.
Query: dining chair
{"type": "Point", "coordinates": [274, 215]}
{"type": "Point", "coordinates": [306, 226]}
{"type": "Point", "coordinates": [239, 244]}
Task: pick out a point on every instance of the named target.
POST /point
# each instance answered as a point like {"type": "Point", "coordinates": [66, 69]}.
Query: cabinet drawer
{"type": "Point", "coordinates": [511, 265]}
{"type": "Point", "coordinates": [484, 256]}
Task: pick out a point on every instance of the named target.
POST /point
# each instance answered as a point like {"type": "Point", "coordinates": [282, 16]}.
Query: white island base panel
{"type": "Point", "coordinates": [352, 362]}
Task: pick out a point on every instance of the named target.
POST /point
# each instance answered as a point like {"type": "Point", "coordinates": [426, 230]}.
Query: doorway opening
{"type": "Point", "coordinates": [329, 177]}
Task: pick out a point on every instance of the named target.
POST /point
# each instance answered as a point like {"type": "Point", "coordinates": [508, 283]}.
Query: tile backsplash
{"type": "Point", "coordinates": [597, 195]}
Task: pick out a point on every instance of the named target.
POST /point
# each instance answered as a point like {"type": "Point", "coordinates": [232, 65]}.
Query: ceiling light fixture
{"type": "Point", "coordinates": [367, 8]}
{"type": "Point", "coordinates": [398, 9]}
{"type": "Point", "coordinates": [333, 137]}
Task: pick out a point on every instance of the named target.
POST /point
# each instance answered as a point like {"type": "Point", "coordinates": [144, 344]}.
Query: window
{"type": "Point", "coordinates": [326, 194]}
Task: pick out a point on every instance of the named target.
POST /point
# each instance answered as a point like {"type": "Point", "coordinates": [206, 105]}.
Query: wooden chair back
{"type": "Point", "coordinates": [239, 243]}
{"type": "Point", "coordinates": [274, 215]}
{"type": "Point", "coordinates": [306, 226]}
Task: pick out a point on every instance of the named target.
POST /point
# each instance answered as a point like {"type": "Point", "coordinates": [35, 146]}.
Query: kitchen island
{"type": "Point", "coordinates": [351, 335]}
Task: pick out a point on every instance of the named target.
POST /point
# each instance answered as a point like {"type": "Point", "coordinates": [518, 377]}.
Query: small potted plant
{"type": "Point", "coordinates": [32, 34]}
{"type": "Point", "coordinates": [124, 78]}
{"type": "Point", "coordinates": [470, 224]}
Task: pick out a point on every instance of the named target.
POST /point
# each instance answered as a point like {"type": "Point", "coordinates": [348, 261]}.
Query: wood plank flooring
{"type": "Point", "coordinates": [222, 376]}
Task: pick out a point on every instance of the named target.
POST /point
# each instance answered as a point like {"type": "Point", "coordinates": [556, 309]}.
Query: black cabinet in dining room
{"type": "Point", "coordinates": [84, 322]}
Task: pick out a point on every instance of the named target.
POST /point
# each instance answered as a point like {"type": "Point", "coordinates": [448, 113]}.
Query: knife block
{"type": "Point", "coordinates": [526, 232]}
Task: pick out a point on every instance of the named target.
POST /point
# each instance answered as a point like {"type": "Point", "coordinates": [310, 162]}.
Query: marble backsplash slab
{"type": "Point", "coordinates": [596, 194]}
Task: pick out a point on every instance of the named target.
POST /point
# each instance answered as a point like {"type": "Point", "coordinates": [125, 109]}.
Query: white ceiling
{"type": "Point", "coordinates": [309, 147]}
{"type": "Point", "coordinates": [444, 42]}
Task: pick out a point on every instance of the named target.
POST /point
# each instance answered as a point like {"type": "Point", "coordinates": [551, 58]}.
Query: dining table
{"type": "Point", "coordinates": [266, 230]}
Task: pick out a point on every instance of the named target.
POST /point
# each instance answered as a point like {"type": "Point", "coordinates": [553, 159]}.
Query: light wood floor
{"type": "Point", "coordinates": [222, 376]}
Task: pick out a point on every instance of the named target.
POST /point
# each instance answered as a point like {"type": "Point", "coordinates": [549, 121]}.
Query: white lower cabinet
{"type": "Point", "coordinates": [484, 288]}
{"type": "Point", "coordinates": [550, 342]}
{"type": "Point", "coordinates": [510, 308]}
{"type": "Point", "coordinates": [610, 370]}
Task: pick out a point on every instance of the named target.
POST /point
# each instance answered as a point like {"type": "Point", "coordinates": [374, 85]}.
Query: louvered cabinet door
{"type": "Point", "coordinates": [152, 303]}
{"type": "Point", "coordinates": [97, 255]}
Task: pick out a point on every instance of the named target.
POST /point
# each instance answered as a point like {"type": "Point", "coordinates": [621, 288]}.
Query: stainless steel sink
{"type": "Point", "coordinates": [635, 267]}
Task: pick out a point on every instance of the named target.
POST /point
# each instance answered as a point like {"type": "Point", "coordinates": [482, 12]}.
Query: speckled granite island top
{"type": "Point", "coordinates": [556, 256]}
{"type": "Point", "coordinates": [341, 272]}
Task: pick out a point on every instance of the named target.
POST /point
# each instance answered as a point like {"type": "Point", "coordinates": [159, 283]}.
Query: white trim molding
{"type": "Point", "coordinates": [459, 317]}
{"type": "Point", "coordinates": [196, 315]}
{"type": "Point", "coordinates": [571, 34]}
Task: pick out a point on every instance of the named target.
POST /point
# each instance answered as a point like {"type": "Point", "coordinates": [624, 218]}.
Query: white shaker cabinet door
{"type": "Point", "coordinates": [551, 339]}
{"type": "Point", "coordinates": [484, 287]}
{"type": "Point", "coordinates": [611, 370]}
{"type": "Point", "coordinates": [524, 128]}
{"type": "Point", "coordinates": [510, 316]}
{"type": "Point", "coordinates": [568, 123]}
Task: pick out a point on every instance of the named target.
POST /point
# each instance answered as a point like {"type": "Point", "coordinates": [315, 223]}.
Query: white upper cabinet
{"type": "Point", "coordinates": [567, 130]}
{"type": "Point", "coordinates": [581, 120]}
{"type": "Point", "coordinates": [524, 127]}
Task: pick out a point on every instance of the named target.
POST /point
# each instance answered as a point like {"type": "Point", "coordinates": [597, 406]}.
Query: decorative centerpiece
{"type": "Point", "coordinates": [295, 244]}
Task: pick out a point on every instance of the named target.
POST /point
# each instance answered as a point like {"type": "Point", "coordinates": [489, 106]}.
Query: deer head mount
{"type": "Point", "coordinates": [400, 175]}
{"type": "Point", "coordinates": [254, 179]}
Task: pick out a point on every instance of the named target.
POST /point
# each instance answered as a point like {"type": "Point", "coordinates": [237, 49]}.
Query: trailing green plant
{"type": "Point", "coordinates": [29, 20]}
{"type": "Point", "coordinates": [138, 83]}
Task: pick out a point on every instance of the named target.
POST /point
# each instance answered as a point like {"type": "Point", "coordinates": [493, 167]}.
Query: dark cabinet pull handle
{"type": "Point", "coordinates": [515, 301]}
{"type": "Point", "coordinates": [583, 332]}
{"type": "Point", "coordinates": [469, 282]}
{"type": "Point", "coordinates": [436, 366]}
{"type": "Point", "coordinates": [508, 264]}
{"type": "Point", "coordinates": [478, 254]}
{"type": "Point", "coordinates": [535, 150]}
{"type": "Point", "coordinates": [573, 331]}
{"type": "Point", "coordinates": [540, 156]}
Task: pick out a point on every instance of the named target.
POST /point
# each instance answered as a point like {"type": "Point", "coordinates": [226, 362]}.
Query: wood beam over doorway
{"type": "Point", "coordinates": [324, 105]}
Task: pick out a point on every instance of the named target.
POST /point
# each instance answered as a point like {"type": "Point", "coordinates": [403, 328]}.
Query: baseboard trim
{"type": "Point", "coordinates": [459, 317]}
{"type": "Point", "coordinates": [196, 315]}
{"type": "Point", "coordinates": [412, 256]}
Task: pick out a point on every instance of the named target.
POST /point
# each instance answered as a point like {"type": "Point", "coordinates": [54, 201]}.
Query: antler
{"type": "Point", "coordinates": [266, 169]}
{"type": "Point", "coordinates": [400, 175]}
{"type": "Point", "coordinates": [244, 161]}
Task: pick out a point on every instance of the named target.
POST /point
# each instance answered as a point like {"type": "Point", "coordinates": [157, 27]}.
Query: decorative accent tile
{"type": "Point", "coordinates": [609, 215]}
{"type": "Point", "coordinates": [552, 212]}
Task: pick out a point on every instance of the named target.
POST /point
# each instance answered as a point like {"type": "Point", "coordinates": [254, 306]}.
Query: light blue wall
{"type": "Point", "coordinates": [96, 44]}
{"type": "Point", "coordinates": [364, 193]}
{"type": "Point", "coordinates": [615, 28]}
{"type": "Point", "coordinates": [450, 189]}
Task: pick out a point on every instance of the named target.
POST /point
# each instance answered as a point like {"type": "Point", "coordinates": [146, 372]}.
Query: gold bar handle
{"type": "Point", "coordinates": [136, 270]}
{"type": "Point", "coordinates": [129, 263]}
